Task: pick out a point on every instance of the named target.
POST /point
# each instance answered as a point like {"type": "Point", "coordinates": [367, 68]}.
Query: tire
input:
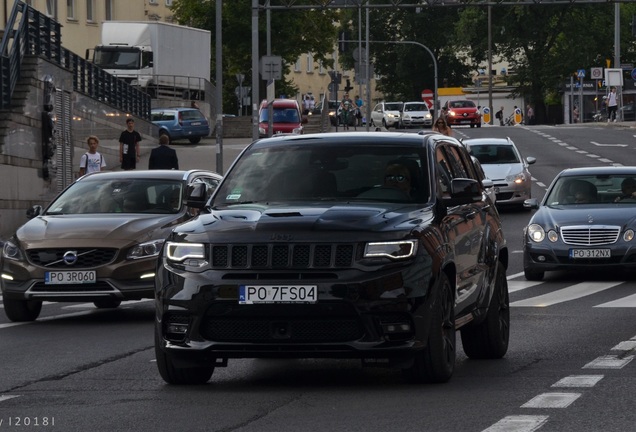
{"type": "Point", "coordinates": [173, 374]}
{"type": "Point", "coordinates": [107, 303]}
{"type": "Point", "coordinates": [195, 140]}
{"type": "Point", "coordinates": [533, 275]}
{"type": "Point", "coordinates": [472, 125]}
{"type": "Point", "coordinates": [478, 125]}
{"type": "Point", "coordinates": [437, 362]}
{"type": "Point", "coordinates": [22, 310]}
{"type": "Point", "coordinates": [489, 339]}
{"type": "Point", "coordinates": [384, 124]}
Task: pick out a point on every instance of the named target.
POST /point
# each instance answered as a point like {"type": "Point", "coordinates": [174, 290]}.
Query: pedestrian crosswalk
{"type": "Point", "coordinates": [562, 292]}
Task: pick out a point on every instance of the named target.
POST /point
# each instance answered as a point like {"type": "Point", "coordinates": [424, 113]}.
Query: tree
{"type": "Point", "coordinates": [293, 32]}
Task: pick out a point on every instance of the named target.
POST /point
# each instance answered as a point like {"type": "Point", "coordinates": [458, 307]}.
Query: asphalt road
{"type": "Point", "coordinates": [569, 366]}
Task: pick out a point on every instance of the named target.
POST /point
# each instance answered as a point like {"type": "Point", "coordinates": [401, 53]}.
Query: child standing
{"type": "Point", "coordinates": [92, 161]}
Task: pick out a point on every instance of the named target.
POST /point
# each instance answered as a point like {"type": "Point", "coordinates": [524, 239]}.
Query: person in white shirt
{"type": "Point", "coordinates": [612, 105]}
{"type": "Point", "coordinates": [91, 161]}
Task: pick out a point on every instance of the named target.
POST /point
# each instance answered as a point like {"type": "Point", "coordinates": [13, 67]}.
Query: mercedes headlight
{"type": "Point", "coordinates": [536, 233]}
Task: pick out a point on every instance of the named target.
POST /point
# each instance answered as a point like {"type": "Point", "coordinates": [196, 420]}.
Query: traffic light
{"type": "Point", "coordinates": [348, 87]}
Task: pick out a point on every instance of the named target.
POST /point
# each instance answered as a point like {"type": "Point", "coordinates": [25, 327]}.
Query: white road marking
{"type": "Point", "coordinates": [518, 423]}
{"type": "Point", "coordinates": [4, 398]}
{"type": "Point", "coordinates": [608, 145]}
{"type": "Point", "coordinates": [578, 381]}
{"type": "Point", "coordinates": [590, 155]}
{"type": "Point", "coordinates": [566, 294]}
{"type": "Point", "coordinates": [629, 301]}
{"type": "Point", "coordinates": [514, 286]}
{"type": "Point", "coordinates": [608, 362]}
{"type": "Point", "coordinates": [572, 148]}
{"type": "Point", "coordinates": [629, 345]}
{"type": "Point", "coordinates": [581, 151]}
{"type": "Point", "coordinates": [552, 400]}
{"type": "Point", "coordinates": [604, 160]}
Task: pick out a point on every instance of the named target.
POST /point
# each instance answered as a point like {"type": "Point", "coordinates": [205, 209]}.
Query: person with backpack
{"type": "Point", "coordinates": [499, 115]}
{"type": "Point", "coordinates": [91, 161]}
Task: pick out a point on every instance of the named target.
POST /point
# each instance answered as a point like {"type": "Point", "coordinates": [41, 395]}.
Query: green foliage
{"type": "Point", "coordinates": [293, 32]}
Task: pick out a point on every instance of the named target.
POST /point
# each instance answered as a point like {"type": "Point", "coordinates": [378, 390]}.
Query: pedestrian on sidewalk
{"type": "Point", "coordinates": [612, 105]}
{"type": "Point", "coordinates": [129, 151]}
{"type": "Point", "coordinates": [91, 161]}
{"type": "Point", "coordinates": [162, 156]}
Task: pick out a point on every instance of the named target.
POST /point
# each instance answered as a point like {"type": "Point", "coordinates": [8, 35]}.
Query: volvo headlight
{"type": "Point", "coordinates": [394, 250]}
{"type": "Point", "coordinates": [536, 233]}
{"type": "Point", "coordinates": [146, 250]}
{"type": "Point", "coordinates": [179, 252]}
{"type": "Point", "coordinates": [11, 251]}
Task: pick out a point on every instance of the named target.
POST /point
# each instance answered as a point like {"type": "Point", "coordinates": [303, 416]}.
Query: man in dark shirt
{"type": "Point", "coordinates": [162, 156]}
{"type": "Point", "coordinates": [129, 146]}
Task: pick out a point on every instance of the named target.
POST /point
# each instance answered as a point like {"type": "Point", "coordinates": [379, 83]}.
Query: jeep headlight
{"type": "Point", "coordinates": [180, 252]}
{"type": "Point", "coordinates": [394, 250]}
{"type": "Point", "coordinates": [146, 250]}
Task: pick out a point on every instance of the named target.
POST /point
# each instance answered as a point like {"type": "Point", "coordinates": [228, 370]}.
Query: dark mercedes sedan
{"type": "Point", "coordinates": [372, 246]}
{"type": "Point", "coordinates": [97, 241]}
{"type": "Point", "coordinates": [585, 221]}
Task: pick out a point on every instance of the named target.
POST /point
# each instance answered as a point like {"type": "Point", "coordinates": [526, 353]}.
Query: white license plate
{"type": "Point", "coordinates": [195, 124]}
{"type": "Point", "coordinates": [70, 277]}
{"type": "Point", "coordinates": [253, 294]}
{"type": "Point", "coordinates": [590, 253]}
{"type": "Point", "coordinates": [464, 121]}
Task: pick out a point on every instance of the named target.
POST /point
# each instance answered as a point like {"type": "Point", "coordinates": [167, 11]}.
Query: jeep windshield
{"type": "Point", "coordinates": [306, 172]}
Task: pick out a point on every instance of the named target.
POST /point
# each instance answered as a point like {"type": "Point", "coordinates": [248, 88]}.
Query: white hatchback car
{"type": "Point", "coordinates": [503, 164]}
{"type": "Point", "coordinates": [415, 114]}
{"type": "Point", "coordinates": [386, 114]}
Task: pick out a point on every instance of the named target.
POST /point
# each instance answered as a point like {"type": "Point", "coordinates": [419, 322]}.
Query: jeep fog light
{"type": "Point", "coordinates": [396, 328]}
{"type": "Point", "coordinates": [176, 328]}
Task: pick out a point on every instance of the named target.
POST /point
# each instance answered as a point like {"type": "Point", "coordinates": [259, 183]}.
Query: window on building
{"type": "Point", "coordinates": [298, 66]}
{"type": "Point", "coordinates": [168, 2]}
{"type": "Point", "coordinates": [70, 9]}
{"type": "Point", "coordinates": [109, 10]}
{"type": "Point", "coordinates": [153, 2]}
{"type": "Point", "coordinates": [310, 63]}
{"type": "Point", "coordinates": [321, 69]}
{"type": "Point", "coordinates": [90, 11]}
{"type": "Point", "coordinates": [51, 8]}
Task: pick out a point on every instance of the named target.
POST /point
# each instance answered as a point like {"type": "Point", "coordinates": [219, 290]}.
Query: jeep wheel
{"type": "Point", "coordinates": [22, 310]}
{"type": "Point", "coordinates": [173, 374]}
{"type": "Point", "coordinates": [107, 303]}
{"type": "Point", "coordinates": [489, 339]}
{"type": "Point", "coordinates": [436, 363]}
{"type": "Point", "coordinates": [533, 275]}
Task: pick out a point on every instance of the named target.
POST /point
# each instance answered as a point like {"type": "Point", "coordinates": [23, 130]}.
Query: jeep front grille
{"type": "Point", "coordinates": [283, 256]}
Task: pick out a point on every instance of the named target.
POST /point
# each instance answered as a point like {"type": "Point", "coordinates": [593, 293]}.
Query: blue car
{"type": "Point", "coordinates": [181, 123]}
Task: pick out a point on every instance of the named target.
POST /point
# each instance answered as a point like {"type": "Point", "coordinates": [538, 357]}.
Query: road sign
{"type": "Point", "coordinates": [427, 97]}
{"type": "Point", "coordinates": [517, 115]}
{"type": "Point", "coordinates": [580, 73]}
{"type": "Point", "coordinates": [486, 111]}
{"type": "Point", "coordinates": [634, 74]}
{"type": "Point", "coordinates": [271, 67]}
{"type": "Point", "coordinates": [596, 73]}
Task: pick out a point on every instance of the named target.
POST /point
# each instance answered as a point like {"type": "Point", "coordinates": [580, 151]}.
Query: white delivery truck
{"type": "Point", "coordinates": [162, 59]}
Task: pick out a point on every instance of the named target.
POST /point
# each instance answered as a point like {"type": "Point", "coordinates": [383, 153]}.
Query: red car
{"type": "Point", "coordinates": [462, 112]}
{"type": "Point", "coordinates": [286, 118]}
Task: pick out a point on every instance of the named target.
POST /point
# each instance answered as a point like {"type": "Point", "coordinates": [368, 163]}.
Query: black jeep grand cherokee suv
{"type": "Point", "coordinates": [341, 245]}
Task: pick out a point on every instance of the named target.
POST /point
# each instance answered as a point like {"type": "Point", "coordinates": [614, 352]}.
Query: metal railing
{"type": "Point", "coordinates": [30, 32]}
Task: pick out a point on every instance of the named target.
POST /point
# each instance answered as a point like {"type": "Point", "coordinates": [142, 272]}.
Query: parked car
{"type": "Point", "coordinates": [181, 123]}
{"type": "Point", "coordinates": [286, 118]}
{"type": "Point", "coordinates": [627, 112]}
{"type": "Point", "coordinates": [346, 245]}
{"type": "Point", "coordinates": [386, 114]}
{"type": "Point", "coordinates": [462, 112]}
{"type": "Point", "coordinates": [97, 241]}
{"type": "Point", "coordinates": [415, 114]}
{"type": "Point", "coordinates": [503, 164]}
{"type": "Point", "coordinates": [586, 221]}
